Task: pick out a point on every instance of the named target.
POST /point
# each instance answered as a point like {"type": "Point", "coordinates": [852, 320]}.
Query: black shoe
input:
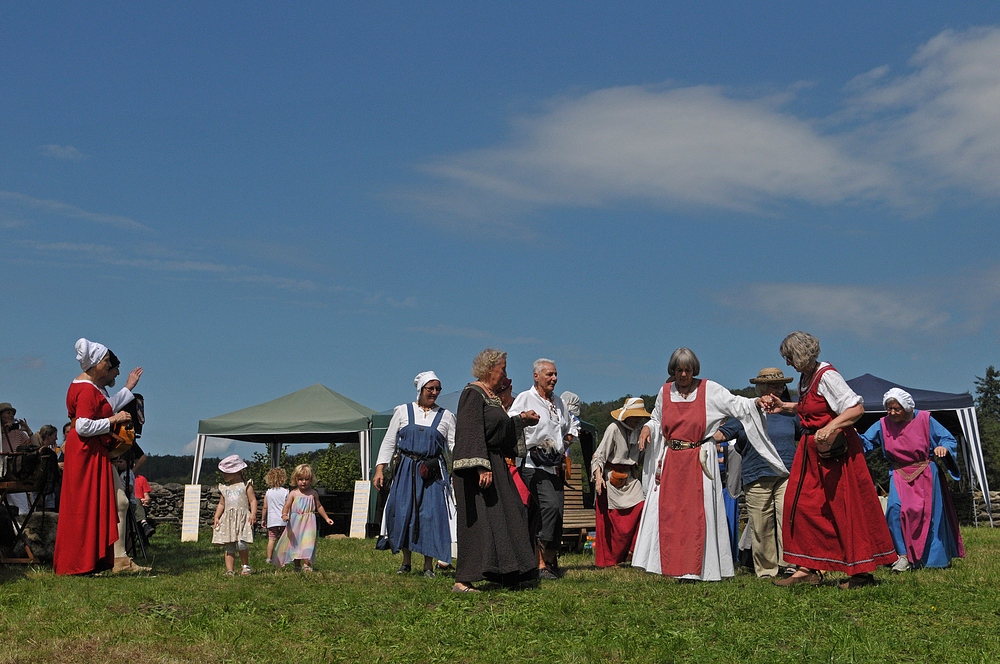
{"type": "Point", "coordinates": [148, 529]}
{"type": "Point", "coordinates": [403, 569]}
{"type": "Point", "coordinates": [547, 574]}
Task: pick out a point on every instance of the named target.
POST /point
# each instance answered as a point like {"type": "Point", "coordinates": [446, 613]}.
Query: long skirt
{"type": "Point", "coordinates": [717, 559]}
{"type": "Point", "coordinates": [494, 542]}
{"type": "Point", "coordinates": [832, 517]}
{"type": "Point", "coordinates": [416, 512]}
{"type": "Point", "coordinates": [615, 532]}
{"type": "Point", "coordinates": [944, 541]}
{"type": "Point", "coordinates": [88, 516]}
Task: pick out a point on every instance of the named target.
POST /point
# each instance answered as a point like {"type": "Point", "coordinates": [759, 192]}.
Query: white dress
{"type": "Point", "coordinates": [720, 403]}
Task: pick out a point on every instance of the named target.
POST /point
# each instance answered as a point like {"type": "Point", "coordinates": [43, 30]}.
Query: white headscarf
{"type": "Point", "coordinates": [89, 353]}
{"type": "Point", "coordinates": [423, 378]}
{"type": "Point", "coordinates": [572, 402]}
{"type": "Point", "coordinates": [902, 396]}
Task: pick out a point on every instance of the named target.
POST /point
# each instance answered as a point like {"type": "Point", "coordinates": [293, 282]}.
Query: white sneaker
{"type": "Point", "coordinates": [901, 565]}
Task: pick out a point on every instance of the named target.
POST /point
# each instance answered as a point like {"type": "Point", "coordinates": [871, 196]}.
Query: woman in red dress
{"type": "Point", "coordinates": [88, 516]}
{"type": "Point", "coordinates": [832, 516]}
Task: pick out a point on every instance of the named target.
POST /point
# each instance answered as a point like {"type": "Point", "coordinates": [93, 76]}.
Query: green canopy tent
{"type": "Point", "coordinates": [315, 414]}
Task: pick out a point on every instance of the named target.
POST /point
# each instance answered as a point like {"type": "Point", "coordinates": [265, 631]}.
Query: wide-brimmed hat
{"type": "Point", "coordinates": [771, 375]}
{"type": "Point", "coordinates": [232, 464]}
{"type": "Point", "coordinates": [633, 407]}
{"type": "Point", "coordinates": [6, 406]}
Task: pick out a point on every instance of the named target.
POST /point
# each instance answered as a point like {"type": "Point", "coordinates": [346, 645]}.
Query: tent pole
{"type": "Point", "coordinates": [275, 454]}
{"type": "Point", "coordinates": [364, 441]}
{"type": "Point", "coordinates": [199, 456]}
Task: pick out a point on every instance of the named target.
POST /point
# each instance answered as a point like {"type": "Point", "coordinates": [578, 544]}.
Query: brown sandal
{"type": "Point", "coordinates": [462, 588]}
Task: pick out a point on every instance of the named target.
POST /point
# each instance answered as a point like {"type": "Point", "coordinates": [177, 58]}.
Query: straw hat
{"type": "Point", "coordinates": [770, 375]}
{"type": "Point", "coordinates": [633, 407]}
{"type": "Point", "coordinates": [6, 406]}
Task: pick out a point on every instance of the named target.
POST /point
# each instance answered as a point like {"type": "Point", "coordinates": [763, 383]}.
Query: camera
{"type": "Point", "coordinates": [14, 426]}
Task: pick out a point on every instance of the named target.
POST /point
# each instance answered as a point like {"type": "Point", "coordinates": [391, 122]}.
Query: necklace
{"type": "Point", "coordinates": [551, 403]}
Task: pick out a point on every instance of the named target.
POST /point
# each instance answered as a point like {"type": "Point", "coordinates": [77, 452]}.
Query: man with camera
{"type": "Point", "coordinates": [15, 432]}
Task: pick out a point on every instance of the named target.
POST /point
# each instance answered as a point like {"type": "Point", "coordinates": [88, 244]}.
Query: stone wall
{"type": "Point", "coordinates": [167, 503]}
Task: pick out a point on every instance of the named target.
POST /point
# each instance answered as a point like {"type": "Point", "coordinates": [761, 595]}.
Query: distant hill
{"type": "Point", "coordinates": [168, 468]}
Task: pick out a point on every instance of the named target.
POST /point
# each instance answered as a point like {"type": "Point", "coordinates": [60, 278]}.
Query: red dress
{"type": "Point", "coordinates": [88, 514]}
{"type": "Point", "coordinates": [682, 494]}
{"type": "Point", "coordinates": [832, 516]}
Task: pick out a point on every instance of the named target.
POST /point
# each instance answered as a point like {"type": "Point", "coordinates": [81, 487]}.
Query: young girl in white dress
{"type": "Point", "coordinates": [274, 504]}
{"type": "Point", "coordinates": [235, 515]}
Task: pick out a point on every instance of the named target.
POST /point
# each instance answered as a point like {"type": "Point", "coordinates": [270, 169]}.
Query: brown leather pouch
{"type": "Point", "coordinates": [618, 479]}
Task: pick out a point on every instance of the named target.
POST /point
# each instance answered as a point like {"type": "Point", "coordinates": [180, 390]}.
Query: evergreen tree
{"type": "Point", "coordinates": [988, 395]}
{"type": "Point", "coordinates": [988, 412]}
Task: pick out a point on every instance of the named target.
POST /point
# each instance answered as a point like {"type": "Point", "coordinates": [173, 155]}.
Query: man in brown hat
{"type": "Point", "coordinates": [763, 490]}
{"type": "Point", "coordinates": [15, 432]}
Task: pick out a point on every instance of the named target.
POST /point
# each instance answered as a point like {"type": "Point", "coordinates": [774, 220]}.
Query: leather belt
{"type": "Point", "coordinates": [682, 444]}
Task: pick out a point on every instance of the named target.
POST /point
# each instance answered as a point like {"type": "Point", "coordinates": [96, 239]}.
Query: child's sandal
{"type": "Point", "coordinates": [246, 571]}
{"type": "Point", "coordinates": [306, 567]}
{"type": "Point", "coordinates": [229, 572]}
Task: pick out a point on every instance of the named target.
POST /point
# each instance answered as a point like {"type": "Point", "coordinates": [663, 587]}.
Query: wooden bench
{"type": "Point", "coordinates": [577, 519]}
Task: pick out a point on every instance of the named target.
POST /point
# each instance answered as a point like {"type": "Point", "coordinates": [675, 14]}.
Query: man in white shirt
{"type": "Point", "coordinates": [541, 469]}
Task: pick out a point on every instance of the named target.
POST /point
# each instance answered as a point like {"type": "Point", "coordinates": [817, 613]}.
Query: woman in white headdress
{"type": "Point", "coordinates": [88, 514]}
{"type": "Point", "coordinates": [419, 510]}
{"type": "Point", "coordinates": [920, 514]}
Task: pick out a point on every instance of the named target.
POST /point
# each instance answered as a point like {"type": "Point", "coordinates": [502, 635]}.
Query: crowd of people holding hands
{"type": "Point", "coordinates": [487, 482]}
{"type": "Point", "coordinates": [661, 496]}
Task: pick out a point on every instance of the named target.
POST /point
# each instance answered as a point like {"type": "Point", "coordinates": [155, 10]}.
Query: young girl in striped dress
{"type": "Point", "coordinates": [298, 542]}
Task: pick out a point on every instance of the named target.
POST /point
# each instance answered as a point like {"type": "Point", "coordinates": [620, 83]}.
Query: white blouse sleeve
{"type": "Point", "coordinates": [447, 427]}
{"type": "Point", "coordinates": [388, 447]}
{"type": "Point", "coordinates": [654, 421]}
{"type": "Point", "coordinates": [837, 392]}
{"type": "Point", "coordinates": [88, 428]}
{"type": "Point", "coordinates": [121, 399]}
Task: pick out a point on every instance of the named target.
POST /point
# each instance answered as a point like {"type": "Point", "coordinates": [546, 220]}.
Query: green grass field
{"type": "Point", "coordinates": [355, 608]}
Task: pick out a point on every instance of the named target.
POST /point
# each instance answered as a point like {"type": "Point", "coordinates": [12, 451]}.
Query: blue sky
{"type": "Point", "coordinates": [247, 199]}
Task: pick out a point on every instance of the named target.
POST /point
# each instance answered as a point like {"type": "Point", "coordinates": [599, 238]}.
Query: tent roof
{"type": "Point", "coordinates": [315, 414]}
{"type": "Point", "coordinates": [872, 388]}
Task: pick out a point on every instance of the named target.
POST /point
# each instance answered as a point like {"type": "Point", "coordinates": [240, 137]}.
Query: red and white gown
{"type": "Point", "coordinates": [88, 513]}
{"type": "Point", "coordinates": [683, 531]}
{"type": "Point", "coordinates": [832, 518]}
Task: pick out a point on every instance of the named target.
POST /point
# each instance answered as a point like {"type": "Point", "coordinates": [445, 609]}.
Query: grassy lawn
{"type": "Point", "coordinates": [355, 608]}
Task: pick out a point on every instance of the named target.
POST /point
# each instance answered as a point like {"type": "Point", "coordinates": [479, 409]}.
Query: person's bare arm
{"type": "Point", "coordinates": [321, 510]}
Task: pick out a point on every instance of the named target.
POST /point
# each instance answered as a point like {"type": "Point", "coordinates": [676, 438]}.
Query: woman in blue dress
{"type": "Point", "coordinates": [419, 511]}
{"type": "Point", "coordinates": [920, 513]}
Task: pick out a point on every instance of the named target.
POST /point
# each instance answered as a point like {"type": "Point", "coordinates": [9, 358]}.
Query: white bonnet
{"type": "Point", "coordinates": [423, 378]}
{"type": "Point", "coordinates": [902, 396]}
{"type": "Point", "coordinates": [89, 353]}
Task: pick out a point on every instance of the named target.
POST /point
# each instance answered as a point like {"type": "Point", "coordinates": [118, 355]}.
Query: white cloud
{"type": "Point", "coordinates": [959, 304]}
{"type": "Point", "coordinates": [943, 118]}
{"type": "Point", "coordinates": [58, 208]}
{"type": "Point", "coordinates": [704, 147]}
{"type": "Point", "coordinates": [23, 363]}
{"type": "Point", "coordinates": [213, 446]}
{"type": "Point", "coordinates": [63, 152]}
{"type": "Point", "coordinates": [676, 147]}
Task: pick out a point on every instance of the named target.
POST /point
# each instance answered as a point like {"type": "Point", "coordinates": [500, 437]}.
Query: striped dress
{"type": "Point", "coordinates": [298, 542]}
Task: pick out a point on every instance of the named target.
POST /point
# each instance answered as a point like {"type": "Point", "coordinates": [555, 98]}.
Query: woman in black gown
{"type": "Point", "coordinates": [494, 541]}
